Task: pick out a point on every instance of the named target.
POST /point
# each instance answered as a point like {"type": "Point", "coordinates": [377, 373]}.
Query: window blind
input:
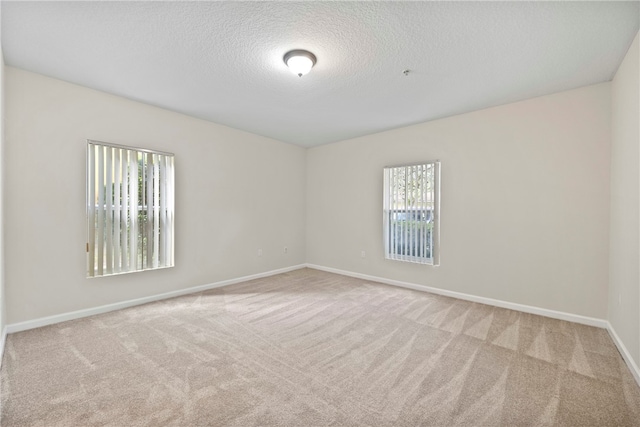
{"type": "Point", "coordinates": [411, 212]}
{"type": "Point", "coordinates": [130, 209]}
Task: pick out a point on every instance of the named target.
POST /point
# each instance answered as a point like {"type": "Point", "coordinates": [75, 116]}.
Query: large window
{"type": "Point", "coordinates": [411, 212]}
{"type": "Point", "coordinates": [130, 205]}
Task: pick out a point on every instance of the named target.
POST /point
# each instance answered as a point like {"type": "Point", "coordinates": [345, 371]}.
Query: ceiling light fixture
{"type": "Point", "coordinates": [299, 62]}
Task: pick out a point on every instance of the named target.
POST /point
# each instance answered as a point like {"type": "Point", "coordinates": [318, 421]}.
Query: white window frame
{"type": "Point", "coordinates": [417, 241]}
{"type": "Point", "coordinates": [130, 209]}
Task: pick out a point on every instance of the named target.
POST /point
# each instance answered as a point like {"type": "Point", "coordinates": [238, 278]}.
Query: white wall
{"type": "Point", "coordinates": [3, 321]}
{"type": "Point", "coordinates": [235, 192]}
{"type": "Point", "coordinates": [524, 207]}
{"type": "Point", "coordinates": [624, 278]}
{"type": "Point", "coordinates": [525, 211]}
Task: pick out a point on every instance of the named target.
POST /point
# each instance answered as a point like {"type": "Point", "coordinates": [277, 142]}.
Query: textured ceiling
{"type": "Point", "coordinates": [222, 61]}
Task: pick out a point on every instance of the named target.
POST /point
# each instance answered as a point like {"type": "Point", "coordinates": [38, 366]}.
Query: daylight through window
{"type": "Point", "coordinates": [130, 209]}
{"type": "Point", "coordinates": [411, 212]}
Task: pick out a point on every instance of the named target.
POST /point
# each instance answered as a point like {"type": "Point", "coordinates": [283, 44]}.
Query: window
{"type": "Point", "coordinates": [130, 205]}
{"type": "Point", "coordinates": [411, 212]}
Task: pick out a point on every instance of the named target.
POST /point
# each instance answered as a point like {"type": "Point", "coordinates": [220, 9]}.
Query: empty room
{"type": "Point", "coordinates": [319, 213]}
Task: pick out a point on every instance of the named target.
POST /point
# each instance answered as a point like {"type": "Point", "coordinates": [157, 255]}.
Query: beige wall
{"type": "Point", "coordinates": [525, 191]}
{"type": "Point", "coordinates": [624, 278]}
{"type": "Point", "coordinates": [236, 192]}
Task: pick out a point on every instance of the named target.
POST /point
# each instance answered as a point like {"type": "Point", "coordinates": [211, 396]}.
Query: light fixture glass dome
{"type": "Point", "coordinates": [299, 62]}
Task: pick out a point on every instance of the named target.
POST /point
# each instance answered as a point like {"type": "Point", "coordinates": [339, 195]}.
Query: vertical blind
{"type": "Point", "coordinates": [130, 209]}
{"type": "Point", "coordinates": [411, 212]}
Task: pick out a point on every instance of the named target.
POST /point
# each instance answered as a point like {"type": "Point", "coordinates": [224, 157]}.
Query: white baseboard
{"type": "Point", "coordinates": [633, 367]}
{"type": "Point", "coordinates": [3, 339]}
{"type": "Point", "coordinates": [50, 320]}
{"type": "Point", "coordinates": [591, 321]}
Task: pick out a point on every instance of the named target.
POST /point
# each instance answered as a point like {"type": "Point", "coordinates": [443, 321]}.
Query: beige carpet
{"type": "Point", "coordinates": [309, 348]}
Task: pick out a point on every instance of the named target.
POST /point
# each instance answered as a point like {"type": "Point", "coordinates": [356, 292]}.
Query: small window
{"type": "Point", "coordinates": [130, 209]}
{"type": "Point", "coordinates": [411, 212]}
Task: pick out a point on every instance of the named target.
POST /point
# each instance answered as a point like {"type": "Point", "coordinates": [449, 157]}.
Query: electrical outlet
{"type": "Point", "coordinates": [259, 252]}
{"type": "Point", "coordinates": [363, 254]}
{"type": "Point", "coordinates": [286, 249]}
